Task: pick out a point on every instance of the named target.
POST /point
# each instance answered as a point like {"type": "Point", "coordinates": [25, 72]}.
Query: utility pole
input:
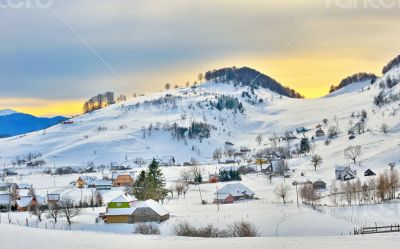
{"type": "Point", "coordinates": [297, 194]}
{"type": "Point", "coordinates": [217, 198]}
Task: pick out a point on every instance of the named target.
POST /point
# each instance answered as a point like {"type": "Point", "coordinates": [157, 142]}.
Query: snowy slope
{"type": "Point", "coordinates": [121, 126]}
{"type": "Point", "coordinates": [6, 112]}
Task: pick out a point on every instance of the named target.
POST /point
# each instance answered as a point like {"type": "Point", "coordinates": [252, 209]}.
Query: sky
{"type": "Point", "coordinates": [54, 57]}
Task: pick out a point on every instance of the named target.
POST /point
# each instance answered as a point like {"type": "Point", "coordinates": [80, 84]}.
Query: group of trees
{"type": "Point", "coordinates": [66, 207]}
{"type": "Point", "coordinates": [230, 175]}
{"type": "Point", "coordinates": [249, 77]}
{"type": "Point", "coordinates": [193, 174]}
{"type": "Point", "coordinates": [98, 102]}
{"type": "Point", "coordinates": [380, 188]}
{"type": "Point", "coordinates": [227, 102]}
{"type": "Point", "coordinates": [150, 184]}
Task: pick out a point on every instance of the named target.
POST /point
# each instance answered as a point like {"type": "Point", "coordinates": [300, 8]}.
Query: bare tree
{"type": "Point", "coordinates": [185, 175]}
{"type": "Point", "coordinates": [179, 187]}
{"type": "Point", "coordinates": [54, 211]}
{"type": "Point", "coordinates": [68, 208]}
{"type": "Point", "coordinates": [352, 153]}
{"type": "Point", "coordinates": [316, 161]}
{"type": "Point", "coordinates": [282, 191]}
{"type": "Point", "coordinates": [217, 154]}
{"type": "Point", "coordinates": [37, 209]}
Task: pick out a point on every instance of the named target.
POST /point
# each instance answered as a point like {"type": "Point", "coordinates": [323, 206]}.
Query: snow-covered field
{"type": "Point", "coordinates": [121, 140]}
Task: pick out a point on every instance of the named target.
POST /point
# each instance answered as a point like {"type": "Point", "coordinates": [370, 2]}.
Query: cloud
{"type": "Point", "coordinates": [152, 42]}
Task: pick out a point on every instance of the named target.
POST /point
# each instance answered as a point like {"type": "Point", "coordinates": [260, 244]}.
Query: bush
{"type": "Point", "coordinates": [237, 229]}
{"type": "Point", "coordinates": [243, 229]}
{"type": "Point", "coordinates": [147, 229]}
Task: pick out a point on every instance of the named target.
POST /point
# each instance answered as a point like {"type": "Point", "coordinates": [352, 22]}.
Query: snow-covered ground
{"type": "Point", "coordinates": [20, 237]}
{"type": "Point", "coordinates": [121, 137]}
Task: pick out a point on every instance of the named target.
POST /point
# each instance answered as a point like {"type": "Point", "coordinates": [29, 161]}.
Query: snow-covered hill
{"type": "Point", "coordinates": [144, 126]}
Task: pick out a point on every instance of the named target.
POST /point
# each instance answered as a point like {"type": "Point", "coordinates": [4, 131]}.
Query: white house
{"type": "Point", "coordinates": [344, 173]}
{"type": "Point", "coordinates": [237, 190]}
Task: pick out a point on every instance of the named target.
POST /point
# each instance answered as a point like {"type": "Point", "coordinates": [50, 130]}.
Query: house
{"type": "Point", "coordinates": [4, 187]}
{"type": "Point", "coordinates": [122, 179]}
{"type": "Point", "coordinates": [24, 202]}
{"type": "Point", "coordinates": [237, 190]}
{"type": "Point", "coordinates": [24, 186]}
{"type": "Point", "coordinates": [88, 181]}
{"type": "Point", "coordinates": [344, 173]}
{"type": "Point", "coordinates": [120, 209]}
{"type": "Point", "coordinates": [320, 133]}
{"type": "Point", "coordinates": [301, 130]}
{"type": "Point", "coordinates": [213, 178]}
{"type": "Point", "coordinates": [124, 209]}
{"type": "Point", "coordinates": [104, 185]}
{"type": "Point", "coordinates": [276, 166]}
{"type": "Point", "coordinates": [150, 211]}
{"type": "Point", "coordinates": [319, 185]}
{"type": "Point", "coordinates": [369, 172]}
{"type": "Point", "coordinates": [224, 198]}
{"type": "Point", "coordinates": [5, 201]}
{"type": "Point", "coordinates": [53, 198]}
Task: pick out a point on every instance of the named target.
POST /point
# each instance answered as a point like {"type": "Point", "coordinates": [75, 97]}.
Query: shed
{"type": "Point", "coordinates": [224, 198]}
{"type": "Point", "coordinates": [319, 185]}
{"type": "Point", "coordinates": [369, 172]}
{"type": "Point", "coordinates": [320, 133]}
{"type": "Point", "coordinates": [237, 190]}
{"type": "Point", "coordinates": [150, 211]}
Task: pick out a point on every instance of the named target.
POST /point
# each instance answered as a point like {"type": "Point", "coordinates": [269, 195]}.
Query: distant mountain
{"type": "Point", "coordinates": [356, 78]}
{"type": "Point", "coordinates": [249, 77]}
{"type": "Point", "coordinates": [13, 123]}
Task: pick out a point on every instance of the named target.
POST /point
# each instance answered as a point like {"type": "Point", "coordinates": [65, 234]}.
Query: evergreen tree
{"type": "Point", "coordinates": [304, 145]}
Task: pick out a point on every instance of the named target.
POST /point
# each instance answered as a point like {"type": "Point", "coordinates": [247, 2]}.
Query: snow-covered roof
{"type": "Point", "coordinates": [24, 186]}
{"type": "Point", "coordinates": [120, 211]}
{"type": "Point", "coordinates": [236, 190]}
{"type": "Point", "coordinates": [53, 197]}
{"type": "Point", "coordinates": [124, 198]}
{"type": "Point", "coordinates": [155, 206]}
{"type": "Point", "coordinates": [5, 199]}
{"type": "Point", "coordinates": [116, 174]}
{"type": "Point", "coordinates": [24, 201]}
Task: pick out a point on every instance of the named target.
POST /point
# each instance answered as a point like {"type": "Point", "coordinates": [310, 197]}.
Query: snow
{"type": "Point", "coordinates": [155, 206]}
{"type": "Point", "coordinates": [124, 198]}
{"type": "Point", "coordinates": [24, 238]}
{"type": "Point", "coordinates": [6, 112]}
{"type": "Point", "coordinates": [281, 225]}
{"type": "Point", "coordinates": [236, 190]}
{"type": "Point", "coordinates": [120, 211]}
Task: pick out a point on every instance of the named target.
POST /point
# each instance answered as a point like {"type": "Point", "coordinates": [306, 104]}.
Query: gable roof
{"type": "Point", "coordinates": [235, 189]}
{"type": "Point", "coordinates": [124, 198]}
{"type": "Point", "coordinates": [24, 201]}
{"type": "Point", "coordinates": [155, 206]}
{"type": "Point", "coordinates": [5, 199]}
{"type": "Point", "coordinates": [115, 175]}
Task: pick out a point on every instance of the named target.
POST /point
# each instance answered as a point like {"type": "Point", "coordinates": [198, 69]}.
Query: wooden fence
{"type": "Point", "coordinates": [377, 229]}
